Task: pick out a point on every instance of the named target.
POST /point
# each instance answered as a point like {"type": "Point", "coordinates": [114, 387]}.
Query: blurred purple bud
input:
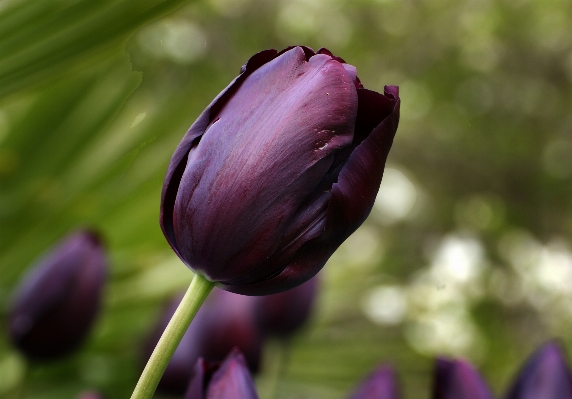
{"type": "Point", "coordinates": [229, 322]}
{"type": "Point", "coordinates": [381, 384]}
{"type": "Point", "coordinates": [278, 171]}
{"type": "Point", "coordinates": [283, 313]}
{"type": "Point", "coordinates": [56, 304]}
{"type": "Point", "coordinates": [224, 321]}
{"type": "Point", "coordinates": [544, 376]}
{"type": "Point", "coordinates": [90, 395]}
{"type": "Point", "coordinates": [458, 379]}
{"type": "Point", "coordinates": [229, 380]}
{"type": "Point", "coordinates": [200, 377]}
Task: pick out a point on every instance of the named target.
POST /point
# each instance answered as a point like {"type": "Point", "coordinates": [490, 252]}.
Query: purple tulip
{"type": "Point", "coordinates": [57, 302]}
{"type": "Point", "coordinates": [225, 321]}
{"type": "Point", "coordinates": [545, 375]}
{"type": "Point", "coordinates": [229, 380]}
{"type": "Point", "coordinates": [278, 171]}
{"type": "Point", "coordinates": [457, 379]}
{"type": "Point", "coordinates": [284, 313]}
{"type": "Point", "coordinates": [381, 384]}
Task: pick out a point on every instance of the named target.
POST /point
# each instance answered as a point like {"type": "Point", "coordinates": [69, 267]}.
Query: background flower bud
{"type": "Point", "coordinates": [56, 303]}
{"type": "Point", "coordinates": [229, 380]}
{"type": "Point", "coordinates": [283, 313]}
{"type": "Point", "coordinates": [458, 379]}
{"type": "Point", "coordinates": [278, 171]}
{"type": "Point", "coordinates": [229, 322]}
{"type": "Point", "coordinates": [89, 395]}
{"type": "Point", "coordinates": [381, 384]}
{"type": "Point", "coordinates": [224, 322]}
{"type": "Point", "coordinates": [545, 375]}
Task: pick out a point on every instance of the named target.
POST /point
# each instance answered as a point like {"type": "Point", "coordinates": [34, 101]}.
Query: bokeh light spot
{"type": "Point", "coordinates": [181, 41]}
{"type": "Point", "coordinates": [385, 305]}
{"type": "Point", "coordinates": [12, 370]}
{"type": "Point", "coordinates": [418, 99]}
{"type": "Point", "coordinates": [396, 197]}
{"type": "Point", "coordinates": [557, 158]}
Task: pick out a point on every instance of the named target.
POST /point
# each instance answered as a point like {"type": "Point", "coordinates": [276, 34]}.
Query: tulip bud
{"type": "Point", "coordinates": [278, 171]}
{"type": "Point", "coordinates": [225, 321]}
{"type": "Point", "coordinates": [229, 380]}
{"type": "Point", "coordinates": [57, 302]}
{"type": "Point", "coordinates": [228, 322]}
{"type": "Point", "coordinates": [283, 313]}
{"type": "Point", "coordinates": [381, 384]}
{"type": "Point", "coordinates": [457, 379]}
{"type": "Point", "coordinates": [545, 375]}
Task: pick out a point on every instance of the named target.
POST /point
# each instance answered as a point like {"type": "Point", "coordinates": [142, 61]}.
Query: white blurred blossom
{"type": "Point", "coordinates": [181, 41]}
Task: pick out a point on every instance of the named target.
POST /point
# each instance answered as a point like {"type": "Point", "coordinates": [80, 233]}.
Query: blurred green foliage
{"type": "Point", "coordinates": [468, 251]}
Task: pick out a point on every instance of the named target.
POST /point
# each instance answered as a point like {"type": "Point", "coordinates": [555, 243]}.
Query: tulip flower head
{"type": "Point", "coordinates": [278, 171]}
{"type": "Point", "coordinates": [457, 379]}
{"type": "Point", "coordinates": [545, 375]}
{"type": "Point", "coordinates": [230, 380]}
{"type": "Point", "coordinates": [381, 384]}
{"type": "Point", "coordinates": [57, 302]}
{"type": "Point", "coordinates": [284, 313]}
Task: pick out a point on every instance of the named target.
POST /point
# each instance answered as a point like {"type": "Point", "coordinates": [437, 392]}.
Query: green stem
{"type": "Point", "coordinates": [281, 357]}
{"type": "Point", "coordinates": [195, 296]}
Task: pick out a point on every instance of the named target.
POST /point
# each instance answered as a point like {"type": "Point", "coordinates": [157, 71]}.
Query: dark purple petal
{"type": "Point", "coordinates": [200, 376]}
{"type": "Point", "coordinates": [381, 384]}
{"type": "Point", "coordinates": [179, 158]}
{"type": "Point", "coordinates": [56, 304]}
{"type": "Point", "coordinates": [373, 109]}
{"type": "Point", "coordinates": [457, 379]}
{"type": "Point", "coordinates": [232, 380]}
{"type": "Point", "coordinates": [308, 52]}
{"type": "Point", "coordinates": [295, 115]}
{"type": "Point", "coordinates": [545, 375]}
{"type": "Point", "coordinates": [310, 258]}
{"type": "Point", "coordinates": [358, 183]}
{"type": "Point", "coordinates": [352, 198]}
{"type": "Point", "coordinates": [324, 50]}
{"type": "Point", "coordinates": [283, 313]}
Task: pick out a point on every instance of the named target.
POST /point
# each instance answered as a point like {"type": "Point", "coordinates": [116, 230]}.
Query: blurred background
{"type": "Point", "coordinates": [468, 251]}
